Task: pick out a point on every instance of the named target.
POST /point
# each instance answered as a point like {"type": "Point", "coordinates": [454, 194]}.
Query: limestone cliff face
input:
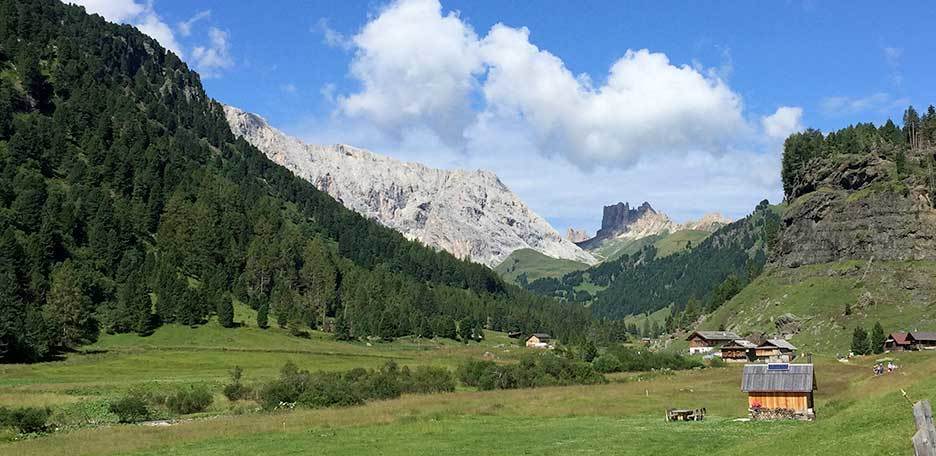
{"type": "Point", "coordinates": [576, 235]}
{"type": "Point", "coordinates": [853, 208]}
{"type": "Point", "coordinates": [470, 214]}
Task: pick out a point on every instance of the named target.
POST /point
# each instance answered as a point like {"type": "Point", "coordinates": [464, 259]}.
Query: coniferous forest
{"type": "Point", "coordinates": [126, 203]}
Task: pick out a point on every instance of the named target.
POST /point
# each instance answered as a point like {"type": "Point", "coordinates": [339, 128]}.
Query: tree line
{"type": "Point", "coordinates": [127, 203]}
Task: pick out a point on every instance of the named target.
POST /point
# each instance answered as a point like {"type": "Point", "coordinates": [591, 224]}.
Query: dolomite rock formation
{"type": "Point", "coordinates": [471, 214]}
{"type": "Point", "coordinates": [619, 221]}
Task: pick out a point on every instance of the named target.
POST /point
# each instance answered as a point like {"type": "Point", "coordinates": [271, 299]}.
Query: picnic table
{"type": "Point", "coordinates": [685, 414]}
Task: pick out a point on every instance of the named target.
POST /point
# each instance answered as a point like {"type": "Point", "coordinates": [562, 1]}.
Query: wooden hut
{"type": "Point", "coordinates": [922, 340]}
{"type": "Point", "coordinates": [707, 341]}
{"type": "Point", "coordinates": [779, 390]}
{"type": "Point", "coordinates": [775, 350]}
{"type": "Point", "coordinates": [539, 340]}
{"type": "Point", "coordinates": [738, 351]}
{"type": "Point", "coordinates": [897, 342]}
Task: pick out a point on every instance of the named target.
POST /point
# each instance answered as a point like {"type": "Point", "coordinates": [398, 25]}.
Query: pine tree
{"type": "Point", "coordinates": [342, 328]}
{"type": "Point", "coordinates": [262, 314]}
{"type": "Point", "coordinates": [859, 345]}
{"type": "Point", "coordinates": [68, 309]}
{"type": "Point", "coordinates": [877, 338]}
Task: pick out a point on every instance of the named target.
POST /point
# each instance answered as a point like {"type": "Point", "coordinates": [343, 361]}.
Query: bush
{"type": "Point", "coordinates": [190, 400]}
{"type": "Point", "coordinates": [645, 360]}
{"type": "Point", "coordinates": [26, 420]}
{"type": "Point", "coordinates": [131, 408]}
{"type": "Point", "coordinates": [607, 364]}
{"type": "Point", "coordinates": [427, 380]}
{"type": "Point", "coordinates": [236, 390]}
{"type": "Point", "coordinates": [533, 371]}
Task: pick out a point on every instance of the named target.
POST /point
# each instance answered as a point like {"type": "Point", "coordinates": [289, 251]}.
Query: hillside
{"type": "Point", "coordinates": [531, 265]}
{"type": "Point", "coordinates": [809, 303]}
{"type": "Point", "coordinates": [646, 281]}
{"type": "Point", "coordinates": [127, 203]}
{"type": "Point", "coordinates": [857, 243]}
{"type": "Point", "coordinates": [470, 214]}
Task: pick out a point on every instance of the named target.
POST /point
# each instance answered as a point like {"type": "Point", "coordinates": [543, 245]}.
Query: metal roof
{"type": "Point", "coordinates": [781, 343]}
{"type": "Point", "coordinates": [741, 343]}
{"type": "Point", "coordinates": [761, 378]}
{"type": "Point", "coordinates": [928, 336]}
{"type": "Point", "coordinates": [540, 336]}
{"type": "Point", "coordinates": [715, 335]}
{"type": "Point", "coordinates": [899, 338]}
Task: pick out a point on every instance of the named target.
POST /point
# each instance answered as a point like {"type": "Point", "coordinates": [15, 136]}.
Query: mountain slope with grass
{"type": "Point", "coordinates": [857, 243]}
{"type": "Point", "coordinates": [126, 203]}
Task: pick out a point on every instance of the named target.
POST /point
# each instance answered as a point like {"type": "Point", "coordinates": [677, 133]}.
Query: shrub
{"type": "Point", "coordinates": [532, 371]}
{"type": "Point", "coordinates": [190, 400]}
{"type": "Point", "coordinates": [425, 380]}
{"type": "Point", "coordinates": [26, 420]}
{"type": "Point", "coordinates": [607, 364]}
{"type": "Point", "coordinates": [236, 390]}
{"type": "Point", "coordinates": [645, 360]}
{"type": "Point", "coordinates": [131, 408]}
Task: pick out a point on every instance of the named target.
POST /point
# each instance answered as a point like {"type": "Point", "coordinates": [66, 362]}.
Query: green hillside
{"type": "Point", "coordinates": [126, 203]}
{"type": "Point", "coordinates": [534, 265]}
{"type": "Point", "coordinates": [679, 241]}
{"type": "Point", "coordinates": [899, 295]}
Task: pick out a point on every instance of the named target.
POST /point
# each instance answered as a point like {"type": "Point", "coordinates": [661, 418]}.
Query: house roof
{"type": "Point", "coordinates": [780, 343]}
{"type": "Point", "coordinates": [778, 378]}
{"type": "Point", "coordinates": [740, 343]}
{"type": "Point", "coordinates": [899, 338]}
{"type": "Point", "coordinates": [921, 336]}
{"type": "Point", "coordinates": [540, 336]}
{"type": "Point", "coordinates": [714, 335]}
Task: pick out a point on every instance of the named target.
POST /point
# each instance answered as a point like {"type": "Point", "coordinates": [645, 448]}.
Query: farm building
{"type": "Point", "coordinates": [539, 340]}
{"type": "Point", "coordinates": [897, 342]}
{"type": "Point", "coordinates": [922, 340]}
{"type": "Point", "coordinates": [779, 390]}
{"type": "Point", "coordinates": [775, 350]}
{"type": "Point", "coordinates": [738, 351]}
{"type": "Point", "coordinates": [707, 341]}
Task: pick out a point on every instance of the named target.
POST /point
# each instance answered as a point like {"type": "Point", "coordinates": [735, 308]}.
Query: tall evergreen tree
{"type": "Point", "coordinates": [859, 345]}
{"type": "Point", "coordinates": [877, 338]}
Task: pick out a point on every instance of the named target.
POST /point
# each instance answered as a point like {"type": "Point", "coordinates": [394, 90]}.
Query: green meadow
{"type": "Point", "coordinates": [857, 413]}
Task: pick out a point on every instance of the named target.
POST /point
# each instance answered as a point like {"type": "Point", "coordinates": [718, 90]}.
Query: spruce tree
{"type": "Point", "coordinates": [877, 338]}
{"type": "Point", "coordinates": [589, 351]}
{"type": "Point", "coordinates": [859, 345]}
{"type": "Point", "coordinates": [262, 315]}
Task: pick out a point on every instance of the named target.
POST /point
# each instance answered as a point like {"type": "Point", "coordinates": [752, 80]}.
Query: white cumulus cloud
{"type": "Point", "coordinates": [211, 59]}
{"type": "Point", "coordinates": [782, 123]}
{"type": "Point", "coordinates": [416, 67]}
{"type": "Point", "coordinates": [185, 27]}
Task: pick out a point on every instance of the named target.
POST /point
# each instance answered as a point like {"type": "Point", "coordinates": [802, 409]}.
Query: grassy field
{"type": "Point", "coordinates": [535, 265]}
{"type": "Point", "coordinates": [676, 242]}
{"type": "Point", "coordinates": [858, 414]}
{"type": "Point", "coordinates": [901, 295]}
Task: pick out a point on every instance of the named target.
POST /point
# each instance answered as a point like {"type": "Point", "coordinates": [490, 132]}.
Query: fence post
{"type": "Point", "coordinates": [924, 441]}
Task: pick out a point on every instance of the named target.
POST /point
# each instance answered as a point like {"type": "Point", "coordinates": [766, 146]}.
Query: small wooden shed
{"type": "Point", "coordinates": [780, 386]}
{"type": "Point", "coordinates": [738, 351]}
{"type": "Point", "coordinates": [776, 350]}
{"type": "Point", "coordinates": [897, 341]}
{"type": "Point", "coordinates": [539, 340]}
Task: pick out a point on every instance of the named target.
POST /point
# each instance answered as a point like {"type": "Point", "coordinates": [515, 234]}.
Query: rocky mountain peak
{"type": "Point", "coordinates": [576, 235]}
{"type": "Point", "coordinates": [470, 214]}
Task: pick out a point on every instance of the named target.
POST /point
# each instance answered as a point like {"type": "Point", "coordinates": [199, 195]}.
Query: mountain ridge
{"type": "Point", "coordinates": [470, 214]}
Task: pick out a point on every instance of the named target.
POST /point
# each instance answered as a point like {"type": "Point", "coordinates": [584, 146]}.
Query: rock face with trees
{"type": "Point", "coordinates": [859, 193]}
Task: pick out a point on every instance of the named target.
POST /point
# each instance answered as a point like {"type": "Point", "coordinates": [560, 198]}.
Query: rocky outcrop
{"type": "Point", "coordinates": [574, 235]}
{"type": "Point", "coordinates": [619, 221]}
{"type": "Point", "coordinates": [852, 208]}
{"type": "Point", "coordinates": [471, 214]}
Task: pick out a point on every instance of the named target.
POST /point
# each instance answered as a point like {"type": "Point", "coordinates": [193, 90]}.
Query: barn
{"type": "Point", "coordinates": [738, 351]}
{"type": "Point", "coordinates": [707, 341]}
{"type": "Point", "coordinates": [775, 350]}
{"type": "Point", "coordinates": [780, 390]}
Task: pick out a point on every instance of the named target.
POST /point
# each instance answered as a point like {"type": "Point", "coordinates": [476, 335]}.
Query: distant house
{"type": "Point", "coordinates": [897, 342]}
{"type": "Point", "coordinates": [539, 340]}
{"type": "Point", "coordinates": [922, 340]}
{"type": "Point", "coordinates": [779, 387]}
{"type": "Point", "coordinates": [706, 341]}
{"type": "Point", "coordinates": [775, 350]}
{"type": "Point", "coordinates": [514, 334]}
{"type": "Point", "coordinates": [738, 351]}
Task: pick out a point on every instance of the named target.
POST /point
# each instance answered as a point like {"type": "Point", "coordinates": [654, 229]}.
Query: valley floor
{"type": "Point", "coordinates": [858, 413]}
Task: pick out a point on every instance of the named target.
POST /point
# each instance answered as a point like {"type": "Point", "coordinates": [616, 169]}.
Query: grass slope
{"type": "Point", "coordinates": [676, 242]}
{"type": "Point", "coordinates": [901, 295]}
{"type": "Point", "coordinates": [535, 265]}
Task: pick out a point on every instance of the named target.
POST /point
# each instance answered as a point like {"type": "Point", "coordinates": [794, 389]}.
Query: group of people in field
{"type": "Point", "coordinates": [879, 368]}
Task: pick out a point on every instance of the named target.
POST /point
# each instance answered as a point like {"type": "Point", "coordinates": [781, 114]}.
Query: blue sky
{"type": "Point", "coordinates": [551, 99]}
